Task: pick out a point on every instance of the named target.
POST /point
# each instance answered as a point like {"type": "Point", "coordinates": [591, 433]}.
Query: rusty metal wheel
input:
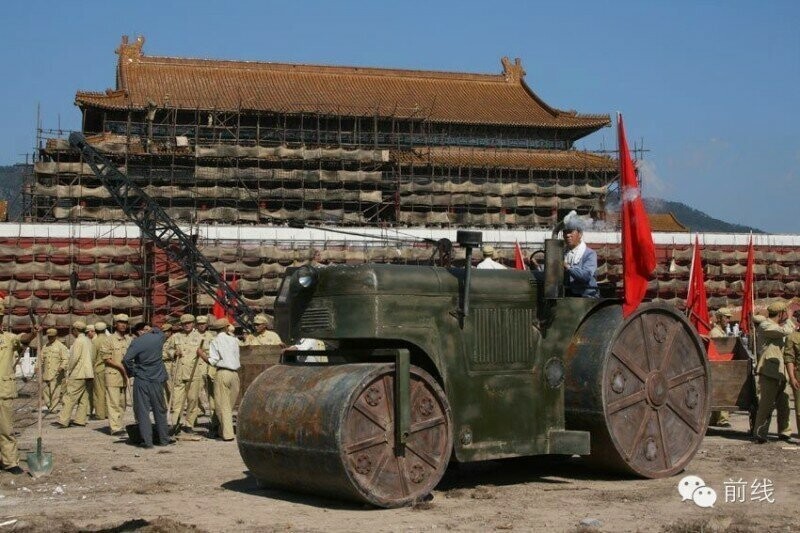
{"type": "Point", "coordinates": [650, 390]}
{"type": "Point", "coordinates": [385, 477]}
{"type": "Point", "coordinates": [330, 430]}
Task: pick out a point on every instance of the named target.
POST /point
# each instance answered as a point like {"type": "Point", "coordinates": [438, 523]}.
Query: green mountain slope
{"type": "Point", "coordinates": [695, 219]}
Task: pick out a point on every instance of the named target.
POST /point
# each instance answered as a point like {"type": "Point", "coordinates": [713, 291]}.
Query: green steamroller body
{"type": "Point", "coordinates": [434, 364]}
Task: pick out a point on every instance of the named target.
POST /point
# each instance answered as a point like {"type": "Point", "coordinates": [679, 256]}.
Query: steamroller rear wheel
{"type": "Point", "coordinates": [645, 389]}
{"type": "Point", "coordinates": [330, 430]}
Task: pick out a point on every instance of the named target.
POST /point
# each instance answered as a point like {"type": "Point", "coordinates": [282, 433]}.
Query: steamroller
{"type": "Point", "coordinates": [425, 365]}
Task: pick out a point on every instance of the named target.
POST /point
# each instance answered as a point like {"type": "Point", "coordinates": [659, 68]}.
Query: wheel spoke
{"type": "Point", "coordinates": [388, 392]}
{"type": "Point", "coordinates": [672, 334]}
{"type": "Point", "coordinates": [366, 443]}
{"type": "Point", "coordinates": [372, 418]}
{"type": "Point", "coordinates": [639, 434]}
{"type": "Point", "coordinates": [429, 459]}
{"type": "Point", "coordinates": [426, 424]}
{"type": "Point", "coordinates": [621, 353]}
{"type": "Point", "coordinates": [648, 356]}
{"type": "Point", "coordinates": [683, 415]}
{"type": "Point", "coordinates": [664, 442]}
{"type": "Point", "coordinates": [381, 465]}
{"type": "Point", "coordinates": [401, 471]}
{"type": "Point", "coordinates": [686, 377]}
{"type": "Point", "coordinates": [627, 401]}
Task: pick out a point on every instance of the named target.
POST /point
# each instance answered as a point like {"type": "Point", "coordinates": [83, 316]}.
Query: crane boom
{"type": "Point", "coordinates": [156, 225]}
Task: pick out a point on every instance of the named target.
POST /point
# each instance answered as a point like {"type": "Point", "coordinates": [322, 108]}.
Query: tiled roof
{"type": "Point", "coordinates": [661, 222]}
{"type": "Point", "coordinates": [506, 158]}
{"type": "Point", "coordinates": [447, 97]}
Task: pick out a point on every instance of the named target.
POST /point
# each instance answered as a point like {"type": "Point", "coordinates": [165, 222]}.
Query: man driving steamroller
{"type": "Point", "coordinates": [580, 261]}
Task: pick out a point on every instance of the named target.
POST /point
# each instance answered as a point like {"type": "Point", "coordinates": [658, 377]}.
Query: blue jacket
{"type": "Point", "coordinates": [143, 359]}
{"type": "Point", "coordinates": [580, 279]}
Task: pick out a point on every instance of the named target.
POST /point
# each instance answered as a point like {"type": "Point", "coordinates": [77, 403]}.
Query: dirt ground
{"type": "Point", "coordinates": [101, 483]}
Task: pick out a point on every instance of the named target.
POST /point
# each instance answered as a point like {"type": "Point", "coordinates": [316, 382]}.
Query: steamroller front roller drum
{"type": "Point", "coordinates": [330, 431]}
{"type": "Point", "coordinates": [640, 385]}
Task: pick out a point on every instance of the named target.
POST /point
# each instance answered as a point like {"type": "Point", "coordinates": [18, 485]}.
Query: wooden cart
{"type": "Point", "coordinates": [733, 380]}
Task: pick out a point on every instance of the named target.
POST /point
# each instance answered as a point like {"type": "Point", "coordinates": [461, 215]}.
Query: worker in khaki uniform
{"type": "Point", "coordinates": [55, 356]}
{"type": "Point", "coordinates": [78, 371]}
{"type": "Point", "coordinates": [10, 348]}
{"type": "Point", "coordinates": [209, 373]}
{"type": "Point", "coordinates": [116, 377]}
{"type": "Point", "coordinates": [99, 386]}
{"type": "Point", "coordinates": [189, 372]}
{"type": "Point", "coordinates": [90, 334]}
{"type": "Point", "coordinates": [791, 358]}
{"type": "Point", "coordinates": [223, 355]}
{"type": "Point", "coordinates": [721, 318]}
{"type": "Point", "coordinates": [263, 336]}
{"type": "Point", "coordinates": [772, 333]}
{"type": "Point", "coordinates": [168, 356]}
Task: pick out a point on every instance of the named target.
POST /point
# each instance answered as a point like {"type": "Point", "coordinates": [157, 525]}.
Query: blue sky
{"type": "Point", "coordinates": [713, 88]}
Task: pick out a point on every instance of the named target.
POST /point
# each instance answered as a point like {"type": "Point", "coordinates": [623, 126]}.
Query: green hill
{"type": "Point", "coordinates": [694, 219]}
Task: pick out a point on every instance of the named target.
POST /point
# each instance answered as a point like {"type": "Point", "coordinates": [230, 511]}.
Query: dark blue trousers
{"type": "Point", "coordinates": [149, 396]}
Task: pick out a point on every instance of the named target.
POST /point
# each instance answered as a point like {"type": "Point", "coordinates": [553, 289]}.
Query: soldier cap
{"type": "Point", "coordinates": [187, 318]}
{"type": "Point", "coordinates": [202, 319]}
{"type": "Point", "coordinates": [220, 323]}
{"type": "Point", "coordinates": [80, 325]}
{"type": "Point", "coordinates": [487, 250]}
{"type": "Point", "coordinates": [724, 311]}
{"type": "Point", "coordinates": [122, 317]}
{"type": "Point", "coordinates": [51, 332]}
{"type": "Point", "coordinates": [166, 327]}
{"type": "Point", "coordinates": [776, 307]}
{"type": "Point", "coordinates": [261, 319]}
{"type": "Point", "coordinates": [100, 326]}
{"type": "Point", "coordinates": [90, 327]}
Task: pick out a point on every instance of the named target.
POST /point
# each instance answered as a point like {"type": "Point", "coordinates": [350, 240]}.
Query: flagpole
{"type": "Point", "coordinates": [691, 279]}
{"type": "Point", "coordinates": [621, 206]}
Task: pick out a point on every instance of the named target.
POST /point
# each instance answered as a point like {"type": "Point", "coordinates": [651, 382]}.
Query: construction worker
{"type": "Point", "coordinates": [55, 356]}
{"type": "Point", "coordinates": [90, 334]}
{"type": "Point", "coordinates": [791, 357]}
{"type": "Point", "coordinates": [772, 333]}
{"type": "Point", "coordinates": [10, 350]}
{"type": "Point", "coordinates": [167, 355]}
{"type": "Point", "coordinates": [488, 259]}
{"type": "Point", "coordinates": [116, 377]}
{"type": "Point", "coordinates": [208, 372]}
{"type": "Point", "coordinates": [99, 386]}
{"type": "Point", "coordinates": [78, 371]}
{"type": "Point", "coordinates": [223, 355]}
{"type": "Point", "coordinates": [189, 374]}
{"type": "Point", "coordinates": [721, 318]}
{"type": "Point", "coordinates": [263, 336]}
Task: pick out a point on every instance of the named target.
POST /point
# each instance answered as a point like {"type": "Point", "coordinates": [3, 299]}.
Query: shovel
{"type": "Point", "coordinates": [39, 463]}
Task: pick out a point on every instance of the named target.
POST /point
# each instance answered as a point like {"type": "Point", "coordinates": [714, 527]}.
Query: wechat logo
{"type": "Point", "coordinates": [695, 489]}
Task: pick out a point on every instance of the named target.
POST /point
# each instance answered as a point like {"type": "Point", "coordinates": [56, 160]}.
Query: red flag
{"type": "Point", "coordinates": [519, 260]}
{"type": "Point", "coordinates": [696, 300]}
{"type": "Point", "coordinates": [747, 296]}
{"type": "Point", "coordinates": [219, 310]}
{"type": "Point", "coordinates": [638, 250]}
{"type": "Point", "coordinates": [234, 284]}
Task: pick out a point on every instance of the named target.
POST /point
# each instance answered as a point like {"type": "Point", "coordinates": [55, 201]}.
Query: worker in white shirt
{"type": "Point", "coordinates": [488, 261]}
{"type": "Point", "coordinates": [223, 354]}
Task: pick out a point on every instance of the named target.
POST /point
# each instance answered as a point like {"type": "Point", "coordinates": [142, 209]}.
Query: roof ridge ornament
{"type": "Point", "coordinates": [512, 72]}
{"type": "Point", "coordinates": [130, 50]}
